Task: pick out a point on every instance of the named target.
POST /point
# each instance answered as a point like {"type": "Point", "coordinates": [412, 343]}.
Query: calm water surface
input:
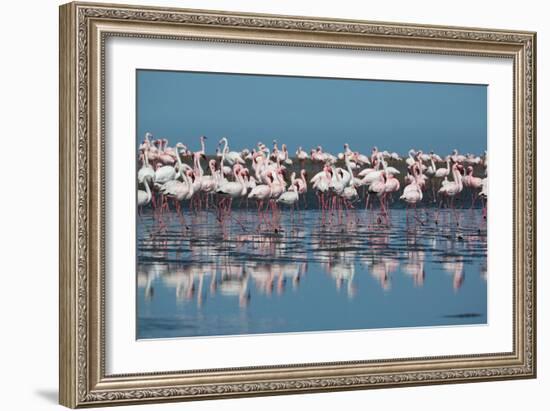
{"type": "Point", "coordinates": [201, 278]}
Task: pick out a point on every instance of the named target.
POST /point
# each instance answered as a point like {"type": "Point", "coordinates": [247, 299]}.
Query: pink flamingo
{"type": "Point", "coordinates": [472, 182]}
{"type": "Point", "coordinates": [261, 193]}
{"type": "Point", "coordinates": [230, 190]}
{"type": "Point", "coordinates": [209, 182]}
{"type": "Point", "coordinates": [392, 186]}
{"type": "Point", "coordinates": [451, 189]}
{"type": "Point", "coordinates": [321, 182]}
{"type": "Point", "coordinates": [412, 194]}
{"type": "Point", "coordinates": [301, 184]}
{"type": "Point", "coordinates": [167, 155]}
{"type": "Point", "coordinates": [378, 187]}
{"type": "Point", "coordinates": [301, 155]}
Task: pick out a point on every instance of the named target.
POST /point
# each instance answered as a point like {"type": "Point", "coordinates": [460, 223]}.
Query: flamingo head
{"type": "Point", "coordinates": [198, 155]}
{"type": "Point", "coordinates": [469, 169]}
{"type": "Point", "coordinates": [460, 168]}
{"type": "Point", "coordinates": [180, 148]}
{"type": "Point", "coordinates": [203, 138]}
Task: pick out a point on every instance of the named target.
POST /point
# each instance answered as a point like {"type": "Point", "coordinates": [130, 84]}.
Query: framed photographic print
{"type": "Point", "coordinates": [259, 204]}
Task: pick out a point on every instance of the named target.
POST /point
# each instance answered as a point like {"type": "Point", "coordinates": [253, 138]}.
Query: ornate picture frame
{"type": "Point", "coordinates": [84, 28]}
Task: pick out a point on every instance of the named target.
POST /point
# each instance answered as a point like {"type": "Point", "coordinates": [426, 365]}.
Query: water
{"type": "Point", "coordinates": [199, 277]}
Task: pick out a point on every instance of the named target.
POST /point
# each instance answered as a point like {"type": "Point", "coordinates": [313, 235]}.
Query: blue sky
{"type": "Point", "coordinates": [306, 111]}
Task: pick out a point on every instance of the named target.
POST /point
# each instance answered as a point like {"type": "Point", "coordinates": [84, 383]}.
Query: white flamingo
{"type": "Point", "coordinates": [289, 197]}
{"type": "Point", "coordinates": [232, 157]}
{"type": "Point", "coordinates": [144, 197]}
{"type": "Point", "coordinates": [146, 171]}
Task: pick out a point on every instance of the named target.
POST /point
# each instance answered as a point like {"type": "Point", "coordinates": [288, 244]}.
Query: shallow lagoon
{"type": "Point", "coordinates": [321, 272]}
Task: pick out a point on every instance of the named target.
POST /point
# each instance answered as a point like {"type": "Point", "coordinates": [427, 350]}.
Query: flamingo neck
{"type": "Point", "coordinates": [146, 157]}
{"type": "Point", "coordinates": [198, 166]}
{"type": "Point", "coordinates": [147, 190]}
{"type": "Point", "coordinates": [223, 153]}
{"type": "Point", "coordinates": [180, 165]}
{"type": "Point", "coordinates": [191, 186]}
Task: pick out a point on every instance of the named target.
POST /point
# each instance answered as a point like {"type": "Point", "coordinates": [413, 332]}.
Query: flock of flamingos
{"type": "Point", "coordinates": [169, 176]}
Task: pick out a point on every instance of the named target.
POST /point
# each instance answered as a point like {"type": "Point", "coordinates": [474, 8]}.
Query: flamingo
{"type": "Point", "coordinates": [410, 159]}
{"type": "Point", "coordinates": [301, 182]}
{"type": "Point", "coordinates": [443, 172]}
{"type": "Point", "coordinates": [378, 187]}
{"type": "Point", "coordinates": [146, 171]}
{"type": "Point", "coordinates": [179, 191]}
{"type": "Point", "coordinates": [392, 183]}
{"type": "Point", "coordinates": [483, 195]}
{"type": "Point", "coordinates": [289, 197]}
{"type": "Point", "coordinates": [321, 182]}
{"type": "Point", "coordinates": [472, 182]}
{"type": "Point", "coordinates": [144, 197]}
{"type": "Point", "coordinates": [301, 155]}
{"type": "Point", "coordinates": [457, 158]}
{"type": "Point", "coordinates": [232, 189]}
{"type": "Point", "coordinates": [209, 182]}
{"type": "Point", "coordinates": [260, 193]}
{"type": "Point", "coordinates": [166, 156]}
{"type": "Point", "coordinates": [453, 188]}
{"type": "Point", "coordinates": [203, 145]}
{"type": "Point", "coordinates": [232, 157]}
{"type": "Point", "coordinates": [163, 174]}
{"type": "Point", "coordinates": [412, 194]}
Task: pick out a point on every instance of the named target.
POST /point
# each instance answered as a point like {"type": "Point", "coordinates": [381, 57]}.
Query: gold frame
{"type": "Point", "coordinates": [83, 30]}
